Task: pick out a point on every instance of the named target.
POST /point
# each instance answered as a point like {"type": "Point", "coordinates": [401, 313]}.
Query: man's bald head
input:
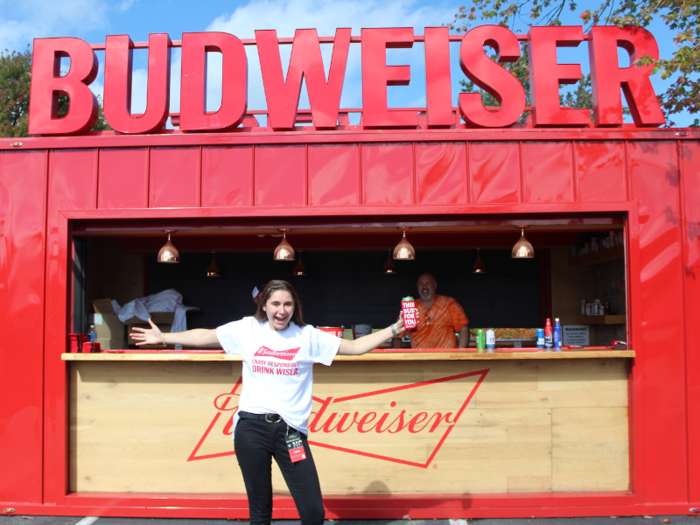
{"type": "Point", "coordinates": [426, 286]}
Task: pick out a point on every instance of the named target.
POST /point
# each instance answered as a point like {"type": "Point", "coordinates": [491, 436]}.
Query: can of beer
{"type": "Point", "coordinates": [490, 340]}
{"type": "Point", "coordinates": [583, 307]}
{"type": "Point", "coordinates": [480, 340]}
{"type": "Point", "coordinates": [540, 338]}
{"type": "Point", "coordinates": [410, 313]}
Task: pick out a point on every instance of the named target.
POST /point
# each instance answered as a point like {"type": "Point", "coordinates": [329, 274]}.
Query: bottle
{"type": "Point", "coordinates": [557, 335]}
{"type": "Point", "coordinates": [548, 338]}
{"type": "Point", "coordinates": [92, 334]}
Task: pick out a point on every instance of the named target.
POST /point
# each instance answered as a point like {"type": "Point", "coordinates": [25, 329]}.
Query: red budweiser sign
{"type": "Point", "coordinates": [339, 423]}
{"type": "Point", "coordinates": [282, 89]}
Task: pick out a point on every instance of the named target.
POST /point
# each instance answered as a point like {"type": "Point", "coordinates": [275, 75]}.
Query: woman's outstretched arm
{"type": "Point", "coordinates": [153, 336]}
{"type": "Point", "coordinates": [371, 341]}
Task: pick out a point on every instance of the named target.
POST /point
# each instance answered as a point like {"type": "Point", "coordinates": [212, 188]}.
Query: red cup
{"type": "Point", "coordinates": [75, 342]}
{"type": "Point", "coordinates": [338, 332]}
{"type": "Point", "coordinates": [90, 347]}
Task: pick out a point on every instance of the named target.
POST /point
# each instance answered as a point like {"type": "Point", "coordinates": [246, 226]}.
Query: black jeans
{"type": "Point", "coordinates": [256, 443]}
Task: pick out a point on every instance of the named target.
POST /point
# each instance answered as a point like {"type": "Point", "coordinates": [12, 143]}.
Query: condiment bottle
{"type": "Point", "coordinates": [548, 336]}
{"type": "Point", "coordinates": [557, 335]}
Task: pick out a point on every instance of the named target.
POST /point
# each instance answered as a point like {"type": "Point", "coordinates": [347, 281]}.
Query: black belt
{"type": "Point", "coordinates": [269, 418]}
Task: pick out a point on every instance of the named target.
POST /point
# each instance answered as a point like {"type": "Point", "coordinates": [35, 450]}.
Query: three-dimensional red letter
{"type": "Point", "coordinates": [118, 71]}
{"type": "Point", "coordinates": [193, 86]}
{"type": "Point", "coordinates": [438, 81]}
{"type": "Point", "coordinates": [491, 77]}
{"type": "Point", "coordinates": [546, 75]}
{"type": "Point", "coordinates": [376, 76]}
{"type": "Point", "coordinates": [608, 77]}
{"type": "Point", "coordinates": [305, 62]}
{"type": "Point", "coordinates": [48, 84]}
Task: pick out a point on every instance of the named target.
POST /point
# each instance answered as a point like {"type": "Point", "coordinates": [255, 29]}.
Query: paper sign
{"type": "Point", "coordinates": [98, 319]}
{"type": "Point", "coordinates": [575, 335]}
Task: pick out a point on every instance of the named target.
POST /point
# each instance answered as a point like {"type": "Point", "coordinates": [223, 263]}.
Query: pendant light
{"type": "Point", "coordinates": [523, 249]}
{"type": "Point", "coordinates": [213, 268]}
{"type": "Point", "coordinates": [478, 265]}
{"type": "Point", "coordinates": [299, 268]}
{"type": "Point", "coordinates": [404, 250]}
{"type": "Point", "coordinates": [284, 250]}
{"type": "Point", "coordinates": [389, 265]}
{"type": "Point", "coordinates": [168, 253]}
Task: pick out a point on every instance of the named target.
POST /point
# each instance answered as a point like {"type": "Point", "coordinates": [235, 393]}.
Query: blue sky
{"type": "Point", "coordinates": [93, 20]}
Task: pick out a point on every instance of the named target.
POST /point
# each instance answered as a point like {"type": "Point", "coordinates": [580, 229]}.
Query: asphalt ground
{"type": "Point", "coordinates": [611, 520]}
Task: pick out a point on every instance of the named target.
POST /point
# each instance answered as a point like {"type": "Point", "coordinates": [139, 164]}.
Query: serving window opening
{"type": "Point", "coordinates": [577, 274]}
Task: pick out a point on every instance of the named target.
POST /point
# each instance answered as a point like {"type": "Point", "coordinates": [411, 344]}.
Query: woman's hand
{"type": "Point", "coordinates": [398, 325]}
{"type": "Point", "coordinates": [146, 336]}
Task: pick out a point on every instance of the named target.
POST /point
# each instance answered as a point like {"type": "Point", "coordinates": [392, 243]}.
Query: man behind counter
{"type": "Point", "coordinates": [439, 317]}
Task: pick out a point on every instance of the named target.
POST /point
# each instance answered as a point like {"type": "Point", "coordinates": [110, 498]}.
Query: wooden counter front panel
{"type": "Point", "coordinates": [430, 427]}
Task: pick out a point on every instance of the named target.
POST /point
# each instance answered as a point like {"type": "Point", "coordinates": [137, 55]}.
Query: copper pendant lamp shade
{"type": "Point", "coordinates": [299, 268]}
{"type": "Point", "coordinates": [168, 253]}
{"type": "Point", "coordinates": [389, 265]}
{"type": "Point", "coordinates": [523, 249]}
{"type": "Point", "coordinates": [478, 265]}
{"type": "Point", "coordinates": [213, 268]}
{"type": "Point", "coordinates": [284, 250]}
{"type": "Point", "coordinates": [404, 250]}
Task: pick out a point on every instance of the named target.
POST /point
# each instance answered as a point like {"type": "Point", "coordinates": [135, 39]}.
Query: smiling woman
{"type": "Point", "coordinates": [278, 351]}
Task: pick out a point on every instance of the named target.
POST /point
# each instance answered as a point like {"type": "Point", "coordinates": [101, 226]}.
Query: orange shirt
{"type": "Point", "coordinates": [437, 326]}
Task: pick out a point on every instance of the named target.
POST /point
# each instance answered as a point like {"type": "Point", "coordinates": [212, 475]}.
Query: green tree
{"type": "Point", "coordinates": [681, 16]}
{"type": "Point", "coordinates": [15, 78]}
{"type": "Point", "coordinates": [15, 75]}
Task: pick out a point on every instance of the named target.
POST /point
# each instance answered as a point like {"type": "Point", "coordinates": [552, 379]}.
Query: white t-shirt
{"type": "Point", "coordinates": [277, 366]}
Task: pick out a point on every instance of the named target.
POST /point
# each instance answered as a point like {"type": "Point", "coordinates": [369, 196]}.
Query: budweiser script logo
{"type": "Point", "coordinates": [341, 424]}
{"type": "Point", "coordinates": [287, 355]}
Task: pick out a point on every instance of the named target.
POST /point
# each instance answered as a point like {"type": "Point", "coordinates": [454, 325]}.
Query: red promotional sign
{"type": "Point", "coordinates": [282, 91]}
{"type": "Point", "coordinates": [342, 424]}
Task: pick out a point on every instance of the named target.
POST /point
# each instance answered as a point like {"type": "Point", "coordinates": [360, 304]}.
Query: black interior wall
{"type": "Point", "coordinates": [346, 288]}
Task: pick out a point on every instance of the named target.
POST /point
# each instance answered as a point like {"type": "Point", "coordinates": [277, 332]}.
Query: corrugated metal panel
{"type": "Point", "coordinates": [22, 238]}
{"type": "Point", "coordinates": [334, 175]}
{"type": "Point", "coordinates": [227, 176]}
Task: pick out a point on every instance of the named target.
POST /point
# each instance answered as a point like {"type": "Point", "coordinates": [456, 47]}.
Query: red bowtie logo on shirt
{"type": "Point", "coordinates": [286, 355]}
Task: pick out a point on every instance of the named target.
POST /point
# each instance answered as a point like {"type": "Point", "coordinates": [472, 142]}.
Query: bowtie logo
{"type": "Point", "coordinates": [286, 355]}
{"type": "Point", "coordinates": [368, 424]}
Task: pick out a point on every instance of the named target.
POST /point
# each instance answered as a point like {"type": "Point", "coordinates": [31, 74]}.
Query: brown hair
{"type": "Point", "coordinates": [272, 287]}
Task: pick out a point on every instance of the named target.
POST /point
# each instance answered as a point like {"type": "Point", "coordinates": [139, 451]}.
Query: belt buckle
{"type": "Point", "coordinates": [279, 418]}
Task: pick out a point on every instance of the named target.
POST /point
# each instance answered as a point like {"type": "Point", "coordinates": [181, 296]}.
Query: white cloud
{"type": "Point", "coordinates": [126, 5]}
{"type": "Point", "coordinates": [286, 17]}
{"type": "Point", "coordinates": [21, 22]}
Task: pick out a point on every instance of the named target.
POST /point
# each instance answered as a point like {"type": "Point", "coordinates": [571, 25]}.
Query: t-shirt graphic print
{"type": "Point", "coordinates": [277, 366]}
{"type": "Point", "coordinates": [285, 367]}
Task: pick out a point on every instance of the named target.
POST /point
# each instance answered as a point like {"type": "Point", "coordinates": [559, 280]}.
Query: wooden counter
{"type": "Point", "coordinates": [385, 355]}
{"type": "Point", "coordinates": [384, 423]}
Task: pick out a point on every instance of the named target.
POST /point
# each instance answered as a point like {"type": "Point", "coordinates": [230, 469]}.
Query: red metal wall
{"type": "Point", "coordinates": [22, 301]}
{"type": "Point", "coordinates": [651, 175]}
